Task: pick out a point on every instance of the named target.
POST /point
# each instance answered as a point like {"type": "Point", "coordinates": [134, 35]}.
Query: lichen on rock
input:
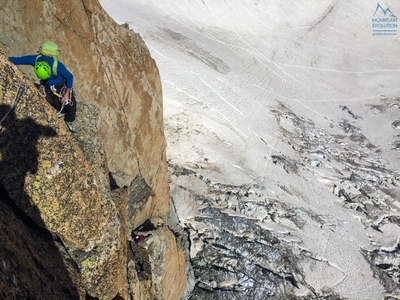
{"type": "Point", "coordinates": [82, 189]}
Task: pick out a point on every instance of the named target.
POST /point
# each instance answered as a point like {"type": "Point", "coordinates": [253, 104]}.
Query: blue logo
{"type": "Point", "coordinates": [384, 21]}
{"type": "Point", "coordinates": [385, 11]}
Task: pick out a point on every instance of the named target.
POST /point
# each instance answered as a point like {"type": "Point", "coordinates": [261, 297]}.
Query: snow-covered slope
{"type": "Point", "coordinates": [283, 116]}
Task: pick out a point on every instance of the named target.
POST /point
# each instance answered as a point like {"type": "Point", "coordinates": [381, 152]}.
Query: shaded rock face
{"type": "Point", "coordinates": [62, 183]}
{"type": "Point", "coordinates": [32, 265]}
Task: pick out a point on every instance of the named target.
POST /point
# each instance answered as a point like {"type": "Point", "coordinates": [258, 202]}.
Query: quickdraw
{"type": "Point", "coordinates": [60, 95]}
{"type": "Point", "coordinates": [21, 90]}
{"type": "Point", "coordinates": [61, 109]}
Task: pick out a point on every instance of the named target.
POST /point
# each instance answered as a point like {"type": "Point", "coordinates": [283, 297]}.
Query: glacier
{"type": "Point", "coordinates": [283, 129]}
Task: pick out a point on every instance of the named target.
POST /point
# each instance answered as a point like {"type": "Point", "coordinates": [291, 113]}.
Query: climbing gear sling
{"type": "Point", "coordinates": [21, 90]}
{"type": "Point", "coordinates": [58, 91]}
{"type": "Point", "coordinates": [60, 95]}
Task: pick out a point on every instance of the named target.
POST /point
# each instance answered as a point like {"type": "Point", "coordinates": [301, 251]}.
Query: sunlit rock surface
{"type": "Point", "coordinates": [94, 191]}
{"type": "Point", "coordinates": [47, 180]}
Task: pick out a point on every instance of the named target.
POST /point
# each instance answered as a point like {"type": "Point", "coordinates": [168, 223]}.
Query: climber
{"type": "Point", "coordinates": [55, 80]}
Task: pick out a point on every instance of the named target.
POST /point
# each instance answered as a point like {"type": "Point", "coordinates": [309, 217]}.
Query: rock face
{"type": "Point", "coordinates": [72, 205]}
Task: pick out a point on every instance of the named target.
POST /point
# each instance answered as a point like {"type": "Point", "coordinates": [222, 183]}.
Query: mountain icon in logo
{"type": "Point", "coordinates": [385, 11]}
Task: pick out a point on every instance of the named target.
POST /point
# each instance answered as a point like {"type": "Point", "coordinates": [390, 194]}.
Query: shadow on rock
{"type": "Point", "coordinates": [31, 265]}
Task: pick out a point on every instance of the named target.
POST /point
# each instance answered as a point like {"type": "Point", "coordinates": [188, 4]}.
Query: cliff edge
{"type": "Point", "coordinates": [72, 205]}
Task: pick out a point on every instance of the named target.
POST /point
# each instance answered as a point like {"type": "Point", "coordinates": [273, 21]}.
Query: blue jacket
{"type": "Point", "coordinates": [63, 73]}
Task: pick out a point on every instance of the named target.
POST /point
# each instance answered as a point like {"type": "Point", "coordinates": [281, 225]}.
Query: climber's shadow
{"type": "Point", "coordinates": [19, 156]}
{"type": "Point", "coordinates": [34, 260]}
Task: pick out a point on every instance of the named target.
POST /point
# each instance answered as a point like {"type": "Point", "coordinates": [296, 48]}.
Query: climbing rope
{"type": "Point", "coordinates": [21, 89]}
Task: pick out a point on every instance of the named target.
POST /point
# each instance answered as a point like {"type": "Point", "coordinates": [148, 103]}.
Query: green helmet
{"type": "Point", "coordinates": [42, 70]}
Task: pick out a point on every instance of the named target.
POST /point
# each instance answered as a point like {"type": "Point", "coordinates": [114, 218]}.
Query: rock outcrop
{"type": "Point", "coordinates": [71, 206]}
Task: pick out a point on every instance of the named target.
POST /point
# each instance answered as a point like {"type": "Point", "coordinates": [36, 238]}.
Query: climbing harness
{"type": "Point", "coordinates": [60, 95]}
{"type": "Point", "coordinates": [21, 90]}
